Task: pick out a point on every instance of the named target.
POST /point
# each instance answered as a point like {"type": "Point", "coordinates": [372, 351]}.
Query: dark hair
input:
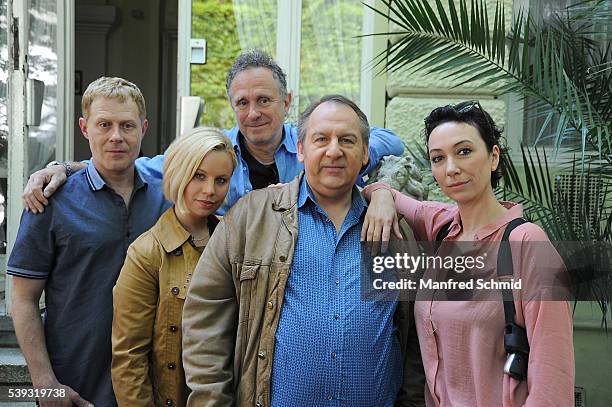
{"type": "Point", "coordinates": [364, 127]}
{"type": "Point", "coordinates": [256, 58]}
{"type": "Point", "coordinates": [472, 113]}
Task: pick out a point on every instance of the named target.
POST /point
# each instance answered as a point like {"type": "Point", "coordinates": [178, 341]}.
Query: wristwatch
{"type": "Point", "coordinates": [67, 167]}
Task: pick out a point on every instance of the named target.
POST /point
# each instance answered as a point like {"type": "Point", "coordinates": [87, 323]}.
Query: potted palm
{"type": "Point", "coordinates": [560, 67]}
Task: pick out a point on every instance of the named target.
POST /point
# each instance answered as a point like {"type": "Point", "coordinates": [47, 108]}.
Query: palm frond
{"type": "Point", "coordinates": [542, 61]}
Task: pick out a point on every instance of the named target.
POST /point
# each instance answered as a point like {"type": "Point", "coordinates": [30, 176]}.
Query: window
{"type": "Point", "coordinates": [536, 129]}
{"type": "Point", "coordinates": [330, 58]}
{"type": "Point", "coordinates": [229, 28]}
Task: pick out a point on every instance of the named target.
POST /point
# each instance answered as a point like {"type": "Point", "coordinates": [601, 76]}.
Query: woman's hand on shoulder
{"type": "Point", "coordinates": [380, 221]}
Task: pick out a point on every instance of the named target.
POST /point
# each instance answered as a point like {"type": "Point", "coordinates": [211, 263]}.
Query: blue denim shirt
{"type": "Point", "coordinates": [78, 244]}
{"type": "Point", "coordinates": [333, 348]}
{"type": "Point", "coordinates": [382, 142]}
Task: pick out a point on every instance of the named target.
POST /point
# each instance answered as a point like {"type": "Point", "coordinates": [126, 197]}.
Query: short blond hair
{"type": "Point", "coordinates": [183, 158]}
{"type": "Point", "coordinates": [113, 88]}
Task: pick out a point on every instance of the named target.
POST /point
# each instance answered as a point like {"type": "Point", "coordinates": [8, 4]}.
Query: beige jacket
{"type": "Point", "coordinates": [147, 308]}
{"type": "Point", "coordinates": [233, 306]}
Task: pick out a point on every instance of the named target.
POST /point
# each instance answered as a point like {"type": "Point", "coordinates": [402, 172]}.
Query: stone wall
{"type": "Point", "coordinates": [414, 94]}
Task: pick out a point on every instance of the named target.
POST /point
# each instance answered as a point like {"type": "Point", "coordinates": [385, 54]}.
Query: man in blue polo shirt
{"type": "Point", "coordinates": [75, 249]}
{"type": "Point", "coordinates": [265, 146]}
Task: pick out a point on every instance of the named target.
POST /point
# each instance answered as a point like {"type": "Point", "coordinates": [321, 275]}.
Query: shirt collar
{"type": "Point", "coordinates": [358, 203]}
{"type": "Point", "coordinates": [514, 211]}
{"type": "Point", "coordinates": [96, 182]}
{"type": "Point", "coordinates": [288, 141]}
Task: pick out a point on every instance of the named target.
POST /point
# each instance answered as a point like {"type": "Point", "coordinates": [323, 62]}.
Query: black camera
{"type": "Point", "coordinates": [517, 348]}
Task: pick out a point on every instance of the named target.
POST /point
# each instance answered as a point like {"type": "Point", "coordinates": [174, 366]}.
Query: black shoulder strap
{"type": "Point", "coordinates": [442, 234]}
{"type": "Point", "coordinates": [505, 267]}
{"type": "Point", "coordinates": [504, 262]}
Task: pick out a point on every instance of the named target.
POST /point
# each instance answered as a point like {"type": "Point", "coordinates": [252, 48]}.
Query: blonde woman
{"type": "Point", "coordinates": [149, 294]}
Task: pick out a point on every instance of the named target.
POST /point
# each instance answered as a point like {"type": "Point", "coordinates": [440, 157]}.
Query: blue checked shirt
{"type": "Point", "coordinates": [332, 347]}
{"type": "Point", "coordinates": [382, 142]}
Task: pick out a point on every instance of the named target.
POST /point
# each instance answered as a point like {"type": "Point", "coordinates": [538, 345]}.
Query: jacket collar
{"type": "Point", "coordinates": [288, 195]}
{"type": "Point", "coordinates": [171, 234]}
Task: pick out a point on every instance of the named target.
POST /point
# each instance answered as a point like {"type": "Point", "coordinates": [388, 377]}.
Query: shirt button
{"type": "Point", "coordinates": [173, 328]}
{"type": "Point", "coordinates": [178, 252]}
{"type": "Point", "coordinates": [259, 404]}
{"type": "Point", "coordinates": [171, 365]}
{"type": "Point", "coordinates": [333, 355]}
{"type": "Point", "coordinates": [282, 259]}
{"type": "Point", "coordinates": [337, 281]}
{"type": "Point", "coordinates": [330, 397]}
{"type": "Point", "coordinates": [169, 403]}
{"type": "Point", "coordinates": [261, 355]}
{"type": "Point", "coordinates": [337, 316]}
{"type": "Point", "coordinates": [175, 290]}
{"type": "Point", "coordinates": [270, 305]}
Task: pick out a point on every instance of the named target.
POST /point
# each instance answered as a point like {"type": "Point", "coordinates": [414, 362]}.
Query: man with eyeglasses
{"type": "Point", "coordinates": [265, 145]}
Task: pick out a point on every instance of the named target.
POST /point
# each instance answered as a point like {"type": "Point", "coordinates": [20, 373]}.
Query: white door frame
{"type": "Point", "coordinates": [17, 146]}
{"type": "Point", "coordinates": [183, 60]}
{"type": "Point", "coordinates": [288, 45]}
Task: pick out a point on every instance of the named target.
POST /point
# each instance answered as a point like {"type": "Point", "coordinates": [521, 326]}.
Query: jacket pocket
{"type": "Point", "coordinates": [248, 272]}
{"type": "Point", "coordinates": [248, 275]}
{"type": "Point", "coordinates": [248, 280]}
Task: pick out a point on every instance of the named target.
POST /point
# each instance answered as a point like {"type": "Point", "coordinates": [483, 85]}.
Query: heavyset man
{"type": "Point", "coordinates": [274, 314]}
{"type": "Point", "coordinates": [265, 146]}
{"type": "Point", "coordinates": [75, 249]}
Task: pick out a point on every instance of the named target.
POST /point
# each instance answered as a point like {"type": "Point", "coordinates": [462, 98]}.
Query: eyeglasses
{"type": "Point", "coordinates": [471, 105]}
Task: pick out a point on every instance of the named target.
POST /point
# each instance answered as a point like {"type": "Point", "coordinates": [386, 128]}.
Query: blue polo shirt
{"type": "Point", "coordinates": [382, 142]}
{"type": "Point", "coordinates": [78, 244]}
{"type": "Point", "coordinates": [332, 347]}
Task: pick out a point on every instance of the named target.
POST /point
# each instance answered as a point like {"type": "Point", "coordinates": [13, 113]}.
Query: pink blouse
{"type": "Point", "coordinates": [462, 341]}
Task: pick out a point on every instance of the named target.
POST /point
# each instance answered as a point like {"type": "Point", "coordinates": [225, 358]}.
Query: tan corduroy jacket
{"type": "Point", "coordinates": [148, 301]}
{"type": "Point", "coordinates": [233, 306]}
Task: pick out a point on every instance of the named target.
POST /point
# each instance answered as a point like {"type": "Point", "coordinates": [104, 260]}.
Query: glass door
{"type": "Point", "coordinates": [316, 42]}
{"type": "Point", "coordinates": [4, 133]}
{"type": "Point", "coordinates": [330, 48]}
{"type": "Point", "coordinates": [33, 83]}
{"type": "Point", "coordinates": [42, 67]}
{"type": "Point", "coordinates": [229, 27]}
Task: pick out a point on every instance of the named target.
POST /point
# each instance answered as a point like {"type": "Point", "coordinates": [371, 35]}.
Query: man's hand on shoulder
{"type": "Point", "coordinates": [34, 196]}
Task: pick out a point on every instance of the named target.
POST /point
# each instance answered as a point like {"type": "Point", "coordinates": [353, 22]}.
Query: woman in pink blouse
{"type": "Point", "coordinates": [462, 342]}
